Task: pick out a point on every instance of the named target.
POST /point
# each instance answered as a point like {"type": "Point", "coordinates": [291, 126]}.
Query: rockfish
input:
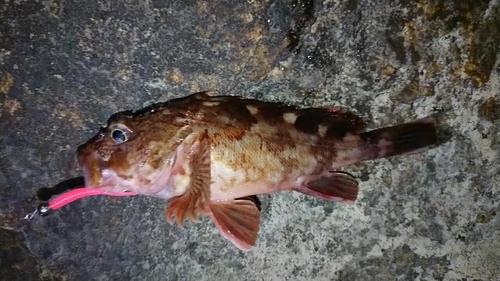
{"type": "Point", "coordinates": [211, 155]}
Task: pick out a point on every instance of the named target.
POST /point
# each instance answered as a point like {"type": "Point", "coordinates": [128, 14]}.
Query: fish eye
{"type": "Point", "coordinates": [120, 134]}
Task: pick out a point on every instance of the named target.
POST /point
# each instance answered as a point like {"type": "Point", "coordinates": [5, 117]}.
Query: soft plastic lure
{"type": "Point", "coordinates": [69, 196]}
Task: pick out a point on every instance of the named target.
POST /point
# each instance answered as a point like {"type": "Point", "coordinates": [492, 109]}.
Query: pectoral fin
{"type": "Point", "coordinates": [237, 220]}
{"type": "Point", "coordinates": [197, 195]}
{"type": "Point", "coordinates": [331, 185]}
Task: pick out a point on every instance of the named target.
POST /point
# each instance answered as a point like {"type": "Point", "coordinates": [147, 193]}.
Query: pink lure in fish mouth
{"type": "Point", "coordinates": [73, 195]}
{"type": "Point", "coordinates": [82, 192]}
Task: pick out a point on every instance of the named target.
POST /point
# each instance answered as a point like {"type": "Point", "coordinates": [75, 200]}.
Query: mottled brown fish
{"type": "Point", "coordinates": [211, 154]}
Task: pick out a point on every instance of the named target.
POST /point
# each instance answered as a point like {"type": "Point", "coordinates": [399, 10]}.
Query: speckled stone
{"type": "Point", "coordinates": [65, 66]}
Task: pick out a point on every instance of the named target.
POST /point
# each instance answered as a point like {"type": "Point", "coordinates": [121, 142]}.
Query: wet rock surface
{"type": "Point", "coordinates": [66, 66]}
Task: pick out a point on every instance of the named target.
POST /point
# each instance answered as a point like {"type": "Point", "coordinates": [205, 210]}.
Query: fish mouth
{"type": "Point", "coordinates": [92, 166]}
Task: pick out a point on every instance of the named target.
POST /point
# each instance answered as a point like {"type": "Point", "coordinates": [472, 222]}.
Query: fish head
{"type": "Point", "coordinates": [132, 153]}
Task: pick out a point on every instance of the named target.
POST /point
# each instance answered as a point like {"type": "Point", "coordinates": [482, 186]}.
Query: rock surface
{"type": "Point", "coordinates": [65, 66]}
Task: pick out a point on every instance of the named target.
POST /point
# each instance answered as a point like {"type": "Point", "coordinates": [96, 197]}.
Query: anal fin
{"type": "Point", "coordinates": [237, 220]}
{"type": "Point", "coordinates": [331, 185]}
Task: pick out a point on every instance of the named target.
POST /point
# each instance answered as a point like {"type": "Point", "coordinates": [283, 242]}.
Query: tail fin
{"type": "Point", "coordinates": [400, 139]}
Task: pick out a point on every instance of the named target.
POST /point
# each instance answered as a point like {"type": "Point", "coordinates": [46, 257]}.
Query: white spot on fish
{"type": "Point", "coordinates": [181, 120]}
{"type": "Point", "coordinates": [290, 117]}
{"type": "Point", "coordinates": [322, 130]}
{"type": "Point", "coordinates": [351, 138]}
{"type": "Point", "coordinates": [211, 103]}
{"type": "Point", "coordinates": [252, 109]}
{"type": "Point", "coordinates": [385, 147]}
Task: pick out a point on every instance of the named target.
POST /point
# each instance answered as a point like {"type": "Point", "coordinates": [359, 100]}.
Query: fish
{"type": "Point", "coordinates": [210, 155]}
